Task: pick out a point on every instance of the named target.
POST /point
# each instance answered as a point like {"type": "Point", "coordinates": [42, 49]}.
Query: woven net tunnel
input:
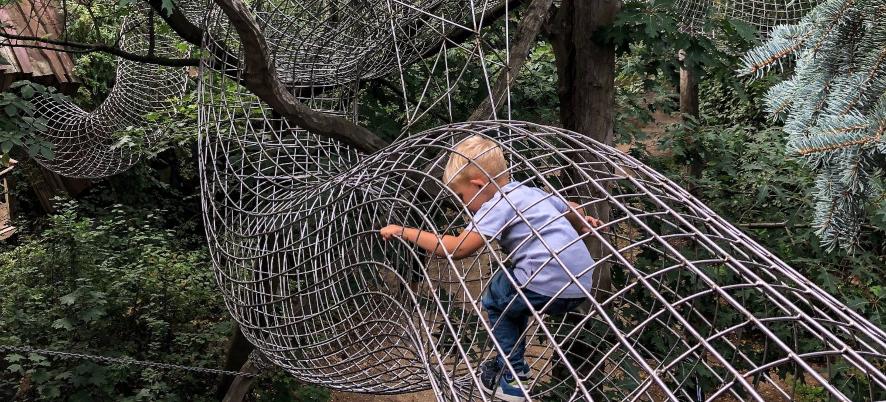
{"type": "Point", "coordinates": [695, 307]}
{"type": "Point", "coordinates": [86, 144]}
{"type": "Point", "coordinates": [321, 43]}
{"type": "Point", "coordinates": [762, 15]}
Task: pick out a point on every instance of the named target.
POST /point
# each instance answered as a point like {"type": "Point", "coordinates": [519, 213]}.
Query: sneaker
{"type": "Point", "coordinates": [491, 366]}
{"type": "Point", "coordinates": [508, 389]}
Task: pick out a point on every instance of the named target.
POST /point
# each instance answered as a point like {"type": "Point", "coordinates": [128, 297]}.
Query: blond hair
{"type": "Point", "coordinates": [476, 156]}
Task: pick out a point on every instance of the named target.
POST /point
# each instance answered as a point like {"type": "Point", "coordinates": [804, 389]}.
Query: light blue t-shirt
{"type": "Point", "coordinates": [498, 218]}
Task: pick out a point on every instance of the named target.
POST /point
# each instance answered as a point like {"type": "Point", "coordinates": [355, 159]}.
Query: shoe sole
{"type": "Point", "coordinates": [500, 395]}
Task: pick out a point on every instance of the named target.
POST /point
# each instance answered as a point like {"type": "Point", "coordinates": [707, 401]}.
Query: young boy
{"type": "Point", "coordinates": [539, 234]}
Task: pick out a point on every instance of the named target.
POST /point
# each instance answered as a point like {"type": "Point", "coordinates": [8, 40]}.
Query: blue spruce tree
{"type": "Point", "coordinates": [833, 107]}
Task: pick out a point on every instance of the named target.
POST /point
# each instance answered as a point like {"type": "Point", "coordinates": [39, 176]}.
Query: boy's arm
{"type": "Point", "coordinates": [458, 247]}
{"type": "Point", "coordinates": [577, 218]}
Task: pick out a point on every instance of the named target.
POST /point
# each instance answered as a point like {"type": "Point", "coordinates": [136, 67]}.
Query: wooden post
{"type": "Point", "coordinates": [241, 385]}
{"type": "Point", "coordinates": [689, 107]}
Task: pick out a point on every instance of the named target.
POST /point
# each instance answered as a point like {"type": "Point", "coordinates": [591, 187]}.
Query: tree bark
{"type": "Point", "coordinates": [689, 107]}
{"type": "Point", "coordinates": [535, 17]}
{"type": "Point", "coordinates": [241, 385]}
{"type": "Point", "coordinates": [586, 88]}
{"type": "Point", "coordinates": [585, 68]}
{"type": "Point", "coordinates": [688, 87]}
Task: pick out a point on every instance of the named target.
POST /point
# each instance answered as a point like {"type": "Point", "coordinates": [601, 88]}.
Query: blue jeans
{"type": "Point", "coordinates": [509, 320]}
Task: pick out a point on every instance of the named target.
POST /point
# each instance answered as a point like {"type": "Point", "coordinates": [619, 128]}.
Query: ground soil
{"type": "Point", "coordinates": [424, 396]}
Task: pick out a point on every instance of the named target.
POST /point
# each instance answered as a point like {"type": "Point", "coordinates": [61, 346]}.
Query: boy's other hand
{"type": "Point", "coordinates": [594, 222]}
{"type": "Point", "coordinates": [391, 231]}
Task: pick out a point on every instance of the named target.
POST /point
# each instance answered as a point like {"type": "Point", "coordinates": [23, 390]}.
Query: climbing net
{"type": "Point", "coordinates": [89, 144]}
{"type": "Point", "coordinates": [696, 309]}
{"type": "Point", "coordinates": [763, 15]}
{"type": "Point", "coordinates": [685, 305]}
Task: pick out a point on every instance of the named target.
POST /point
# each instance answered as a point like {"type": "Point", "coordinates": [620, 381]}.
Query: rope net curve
{"type": "Point", "coordinates": [763, 15]}
{"type": "Point", "coordinates": [86, 144]}
{"type": "Point", "coordinates": [321, 43]}
{"type": "Point", "coordinates": [316, 290]}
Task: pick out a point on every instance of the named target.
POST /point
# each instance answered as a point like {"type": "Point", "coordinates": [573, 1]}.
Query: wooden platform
{"type": "Point", "coordinates": [48, 67]}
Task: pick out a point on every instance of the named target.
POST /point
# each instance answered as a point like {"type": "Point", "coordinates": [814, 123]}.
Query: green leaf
{"type": "Point", "coordinates": [826, 280]}
{"type": "Point", "coordinates": [182, 47]}
{"type": "Point", "coordinates": [62, 323]}
{"type": "Point", "coordinates": [47, 153]}
{"type": "Point", "coordinates": [69, 298]}
{"type": "Point", "coordinates": [27, 92]}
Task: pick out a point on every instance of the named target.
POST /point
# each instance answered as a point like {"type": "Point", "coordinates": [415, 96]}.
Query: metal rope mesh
{"type": "Point", "coordinates": [760, 14]}
{"type": "Point", "coordinates": [85, 143]}
{"type": "Point", "coordinates": [696, 310]}
{"type": "Point", "coordinates": [339, 42]}
{"type": "Point", "coordinates": [313, 286]}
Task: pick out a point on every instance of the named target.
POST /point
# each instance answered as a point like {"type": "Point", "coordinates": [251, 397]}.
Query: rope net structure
{"type": "Point", "coordinates": [86, 143]}
{"type": "Point", "coordinates": [320, 43]}
{"type": "Point", "coordinates": [763, 15]}
{"type": "Point", "coordinates": [686, 306]}
{"type": "Point", "coordinates": [314, 287]}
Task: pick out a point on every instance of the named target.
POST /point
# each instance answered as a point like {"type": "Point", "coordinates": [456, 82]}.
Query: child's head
{"type": "Point", "coordinates": [475, 162]}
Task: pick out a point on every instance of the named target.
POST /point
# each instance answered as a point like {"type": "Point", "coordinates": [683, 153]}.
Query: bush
{"type": "Point", "coordinates": [114, 285]}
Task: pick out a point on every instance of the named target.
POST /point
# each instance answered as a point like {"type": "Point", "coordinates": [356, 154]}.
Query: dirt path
{"type": "Point", "coordinates": [424, 396]}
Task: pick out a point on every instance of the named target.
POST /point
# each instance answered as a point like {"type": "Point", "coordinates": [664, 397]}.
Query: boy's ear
{"type": "Point", "coordinates": [478, 182]}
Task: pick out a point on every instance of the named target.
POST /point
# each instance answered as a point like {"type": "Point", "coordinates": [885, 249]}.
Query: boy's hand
{"type": "Point", "coordinates": [391, 231]}
{"type": "Point", "coordinates": [594, 222]}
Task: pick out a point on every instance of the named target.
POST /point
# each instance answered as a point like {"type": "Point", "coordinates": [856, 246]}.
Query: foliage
{"type": "Point", "coordinates": [746, 178]}
{"type": "Point", "coordinates": [179, 125]}
{"type": "Point", "coordinates": [834, 109]}
{"type": "Point", "coordinates": [116, 284]}
{"type": "Point", "coordinates": [20, 125]}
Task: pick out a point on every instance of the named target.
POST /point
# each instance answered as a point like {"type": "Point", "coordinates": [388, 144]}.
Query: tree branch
{"type": "Point", "coordinates": [179, 23]}
{"type": "Point", "coordinates": [77, 47]}
{"type": "Point", "coordinates": [535, 17]}
{"type": "Point", "coordinates": [459, 36]}
{"type": "Point", "coordinates": [260, 77]}
{"type": "Point", "coordinates": [193, 34]}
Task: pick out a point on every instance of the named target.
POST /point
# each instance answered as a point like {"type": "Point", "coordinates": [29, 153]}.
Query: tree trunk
{"type": "Point", "coordinates": [688, 88]}
{"type": "Point", "coordinates": [241, 385]}
{"type": "Point", "coordinates": [586, 88]}
{"type": "Point", "coordinates": [586, 85]}
{"type": "Point", "coordinates": [689, 107]}
{"type": "Point", "coordinates": [585, 68]}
